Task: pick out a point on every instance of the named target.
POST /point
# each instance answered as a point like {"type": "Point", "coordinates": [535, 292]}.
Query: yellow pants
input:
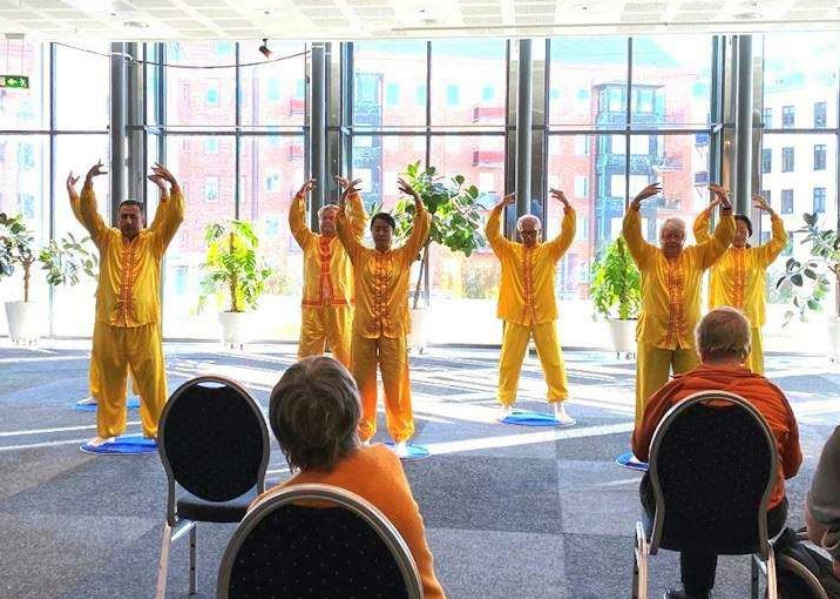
{"type": "Point", "coordinates": [653, 369]}
{"type": "Point", "coordinates": [118, 349]}
{"type": "Point", "coordinates": [514, 345]}
{"type": "Point", "coordinates": [755, 361]}
{"type": "Point", "coordinates": [321, 324]}
{"type": "Point", "coordinates": [391, 355]}
{"type": "Point", "coordinates": [95, 383]}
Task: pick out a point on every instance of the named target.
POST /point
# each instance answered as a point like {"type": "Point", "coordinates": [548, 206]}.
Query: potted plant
{"type": "Point", "coordinates": [616, 292]}
{"type": "Point", "coordinates": [64, 260]}
{"type": "Point", "coordinates": [456, 225]}
{"type": "Point", "coordinates": [811, 279]}
{"type": "Point", "coordinates": [233, 269]}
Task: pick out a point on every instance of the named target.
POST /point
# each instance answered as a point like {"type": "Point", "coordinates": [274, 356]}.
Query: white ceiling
{"type": "Point", "coordinates": [81, 20]}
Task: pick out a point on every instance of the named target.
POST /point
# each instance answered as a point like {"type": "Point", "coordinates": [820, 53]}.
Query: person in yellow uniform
{"type": "Point", "coordinates": [381, 321]}
{"type": "Point", "coordinates": [327, 303]}
{"type": "Point", "coordinates": [127, 333]}
{"type": "Point", "coordinates": [672, 276]}
{"type": "Point", "coordinates": [527, 304]}
{"type": "Point", "coordinates": [738, 279]}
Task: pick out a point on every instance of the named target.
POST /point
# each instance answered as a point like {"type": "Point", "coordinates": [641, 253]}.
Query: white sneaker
{"type": "Point", "coordinates": [401, 449]}
{"type": "Point", "coordinates": [561, 416]}
{"type": "Point", "coordinates": [99, 441]}
{"type": "Point", "coordinates": [505, 412]}
{"type": "Point", "coordinates": [87, 401]}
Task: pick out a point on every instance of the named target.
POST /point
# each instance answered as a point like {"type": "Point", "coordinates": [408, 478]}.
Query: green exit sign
{"type": "Point", "coordinates": [14, 81]}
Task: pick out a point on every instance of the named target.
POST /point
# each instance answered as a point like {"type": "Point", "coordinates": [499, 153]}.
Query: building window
{"type": "Point", "coordinates": [788, 251]}
{"type": "Point", "coordinates": [787, 201]}
{"type": "Point", "coordinates": [788, 116]}
{"type": "Point", "coordinates": [211, 95]}
{"type": "Point", "coordinates": [392, 94]}
{"type": "Point", "coordinates": [581, 145]}
{"type": "Point", "coordinates": [787, 160]}
{"type": "Point", "coordinates": [819, 200]}
{"type": "Point", "coordinates": [300, 89]}
{"type": "Point", "coordinates": [420, 95]}
{"type": "Point", "coordinates": [581, 186]}
{"type": "Point", "coordinates": [768, 118]}
{"type": "Point", "coordinates": [273, 89]}
{"type": "Point", "coordinates": [819, 115]}
{"type": "Point", "coordinates": [819, 157]}
{"type": "Point", "coordinates": [766, 160]}
{"type": "Point", "coordinates": [272, 181]}
{"type": "Point", "coordinates": [26, 205]}
{"type": "Point", "coordinates": [211, 145]}
{"type": "Point", "coordinates": [644, 100]}
{"type": "Point", "coordinates": [488, 93]}
{"type": "Point", "coordinates": [453, 93]}
{"type": "Point", "coordinates": [767, 195]}
{"type": "Point", "coordinates": [272, 225]}
{"type": "Point", "coordinates": [26, 156]}
{"type": "Point", "coordinates": [211, 189]}
{"type": "Point", "coordinates": [224, 48]}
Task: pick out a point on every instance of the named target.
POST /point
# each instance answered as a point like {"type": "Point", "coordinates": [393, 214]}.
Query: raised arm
{"type": "Point", "coordinates": [701, 223]}
{"type": "Point", "coordinates": [297, 215]}
{"type": "Point", "coordinates": [493, 227]}
{"type": "Point", "coordinates": [778, 241]}
{"type": "Point", "coordinates": [714, 248]}
{"type": "Point", "coordinates": [353, 206]}
{"type": "Point", "coordinates": [640, 250]}
{"type": "Point", "coordinates": [420, 227]}
{"type": "Point", "coordinates": [88, 213]}
{"type": "Point", "coordinates": [344, 229]}
{"type": "Point", "coordinates": [559, 245]}
{"type": "Point", "coordinates": [170, 211]}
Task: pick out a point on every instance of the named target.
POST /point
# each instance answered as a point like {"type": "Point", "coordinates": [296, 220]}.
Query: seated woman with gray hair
{"type": "Point", "coordinates": [314, 412]}
{"type": "Point", "coordinates": [723, 342]}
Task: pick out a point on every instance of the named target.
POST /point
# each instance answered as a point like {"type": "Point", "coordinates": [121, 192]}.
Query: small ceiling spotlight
{"type": "Point", "coordinates": [264, 48]}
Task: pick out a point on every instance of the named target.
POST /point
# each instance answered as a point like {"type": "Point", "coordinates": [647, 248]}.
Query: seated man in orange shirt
{"type": "Point", "coordinates": [314, 412]}
{"type": "Point", "coordinates": [723, 342]}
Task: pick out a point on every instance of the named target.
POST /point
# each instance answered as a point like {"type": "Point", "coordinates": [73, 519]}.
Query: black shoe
{"type": "Point", "coordinates": [682, 594]}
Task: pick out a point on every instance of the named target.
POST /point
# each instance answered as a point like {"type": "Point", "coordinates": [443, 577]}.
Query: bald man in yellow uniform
{"type": "Point", "coordinates": [527, 304]}
{"type": "Point", "coordinates": [381, 321]}
{"type": "Point", "coordinates": [327, 303]}
{"type": "Point", "coordinates": [127, 333]}
{"type": "Point", "coordinates": [672, 277]}
{"type": "Point", "coordinates": [738, 279]}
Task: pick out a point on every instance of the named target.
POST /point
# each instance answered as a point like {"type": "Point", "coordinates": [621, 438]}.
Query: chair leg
{"type": "Point", "coordinates": [772, 586]}
{"type": "Point", "coordinates": [163, 566]}
{"type": "Point", "coordinates": [192, 559]}
{"type": "Point", "coordinates": [640, 565]}
{"type": "Point", "coordinates": [753, 577]}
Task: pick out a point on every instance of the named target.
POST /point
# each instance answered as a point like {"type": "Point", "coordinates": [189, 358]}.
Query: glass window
{"type": "Point", "coordinates": [420, 95]}
{"type": "Point", "coordinates": [787, 160]}
{"type": "Point", "coordinates": [207, 96]}
{"type": "Point", "coordinates": [766, 160]}
{"type": "Point", "coordinates": [787, 201]}
{"type": "Point", "coordinates": [82, 88]}
{"type": "Point", "coordinates": [819, 157]}
{"type": "Point", "coordinates": [211, 94]}
{"type": "Point", "coordinates": [768, 118]}
{"type": "Point", "coordinates": [378, 65]}
{"type": "Point", "coordinates": [820, 111]}
{"type": "Point", "coordinates": [788, 116]}
{"type": "Point", "coordinates": [392, 94]}
{"type": "Point", "coordinates": [453, 95]}
{"type": "Point", "coordinates": [581, 145]}
{"type": "Point", "coordinates": [819, 200]}
{"type": "Point", "coordinates": [224, 49]}
{"type": "Point", "coordinates": [211, 145]}
{"type": "Point", "coordinates": [211, 189]}
{"type": "Point", "coordinates": [468, 82]}
{"type": "Point", "coordinates": [27, 108]}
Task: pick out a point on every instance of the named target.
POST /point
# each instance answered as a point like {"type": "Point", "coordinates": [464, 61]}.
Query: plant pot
{"type": "Point", "coordinates": [834, 338]}
{"type": "Point", "coordinates": [236, 328]}
{"type": "Point", "coordinates": [24, 325]}
{"type": "Point", "coordinates": [623, 334]}
{"type": "Point", "coordinates": [418, 338]}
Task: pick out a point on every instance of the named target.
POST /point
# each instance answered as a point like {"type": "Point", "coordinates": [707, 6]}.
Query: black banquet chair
{"type": "Point", "coordinates": [317, 542]}
{"type": "Point", "coordinates": [712, 470]}
{"type": "Point", "coordinates": [214, 445]}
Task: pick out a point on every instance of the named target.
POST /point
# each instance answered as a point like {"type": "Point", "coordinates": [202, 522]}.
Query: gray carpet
{"type": "Point", "coordinates": [510, 511]}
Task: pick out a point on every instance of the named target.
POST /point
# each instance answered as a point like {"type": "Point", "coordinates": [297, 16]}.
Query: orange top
{"type": "Point", "coordinates": [374, 473]}
{"type": "Point", "coordinates": [766, 397]}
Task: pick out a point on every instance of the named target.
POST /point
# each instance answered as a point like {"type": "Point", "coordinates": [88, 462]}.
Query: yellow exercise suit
{"type": "Point", "coordinates": [528, 307]}
{"type": "Point", "coordinates": [127, 330]}
{"type": "Point", "coordinates": [327, 304]}
{"type": "Point", "coordinates": [738, 279]}
{"type": "Point", "coordinates": [670, 303]}
{"type": "Point", "coordinates": [380, 325]}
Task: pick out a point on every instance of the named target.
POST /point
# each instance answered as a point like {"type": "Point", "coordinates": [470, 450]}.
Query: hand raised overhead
{"type": "Point", "coordinates": [560, 196]}
{"type": "Point", "coordinates": [95, 171]}
{"type": "Point", "coordinates": [71, 184]}
{"type": "Point", "coordinates": [306, 187]}
{"type": "Point", "coordinates": [407, 189]}
{"type": "Point", "coordinates": [649, 191]}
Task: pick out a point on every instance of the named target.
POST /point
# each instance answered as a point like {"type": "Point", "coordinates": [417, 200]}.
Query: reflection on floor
{"type": "Point", "coordinates": [511, 511]}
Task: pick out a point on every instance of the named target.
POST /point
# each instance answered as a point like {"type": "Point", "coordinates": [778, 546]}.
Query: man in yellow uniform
{"type": "Point", "coordinates": [127, 330]}
{"type": "Point", "coordinates": [327, 304]}
{"type": "Point", "coordinates": [527, 304]}
{"type": "Point", "coordinates": [672, 276]}
{"type": "Point", "coordinates": [381, 321]}
{"type": "Point", "coordinates": [738, 279]}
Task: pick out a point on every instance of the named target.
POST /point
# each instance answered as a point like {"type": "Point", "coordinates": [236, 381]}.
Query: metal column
{"type": "Point", "coordinates": [118, 114]}
{"type": "Point", "coordinates": [134, 118]}
{"type": "Point", "coordinates": [318, 130]}
{"type": "Point", "coordinates": [524, 122]}
{"type": "Point", "coordinates": [744, 126]}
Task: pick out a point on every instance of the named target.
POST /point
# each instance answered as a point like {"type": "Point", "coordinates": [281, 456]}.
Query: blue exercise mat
{"type": "Point", "coordinates": [125, 444]}
{"type": "Point", "coordinates": [132, 404]}
{"type": "Point", "coordinates": [624, 459]}
{"type": "Point", "coordinates": [529, 418]}
{"type": "Point", "coordinates": [415, 452]}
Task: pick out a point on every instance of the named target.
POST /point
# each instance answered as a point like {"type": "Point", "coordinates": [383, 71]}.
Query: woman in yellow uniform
{"type": "Point", "coordinates": [738, 278]}
{"type": "Point", "coordinates": [381, 321]}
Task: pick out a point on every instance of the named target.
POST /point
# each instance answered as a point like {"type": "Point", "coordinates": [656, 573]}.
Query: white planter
{"type": "Point", "coordinates": [834, 338]}
{"type": "Point", "coordinates": [236, 328]}
{"type": "Point", "coordinates": [418, 338]}
{"type": "Point", "coordinates": [24, 325]}
{"type": "Point", "coordinates": [623, 334]}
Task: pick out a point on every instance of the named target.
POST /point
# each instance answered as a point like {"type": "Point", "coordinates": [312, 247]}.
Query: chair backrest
{"type": "Point", "coordinates": [713, 465]}
{"type": "Point", "coordinates": [285, 549]}
{"type": "Point", "coordinates": [213, 441]}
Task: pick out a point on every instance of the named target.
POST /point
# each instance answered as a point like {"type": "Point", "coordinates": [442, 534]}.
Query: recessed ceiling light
{"type": "Point", "coordinates": [135, 25]}
{"type": "Point", "coordinates": [580, 7]}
